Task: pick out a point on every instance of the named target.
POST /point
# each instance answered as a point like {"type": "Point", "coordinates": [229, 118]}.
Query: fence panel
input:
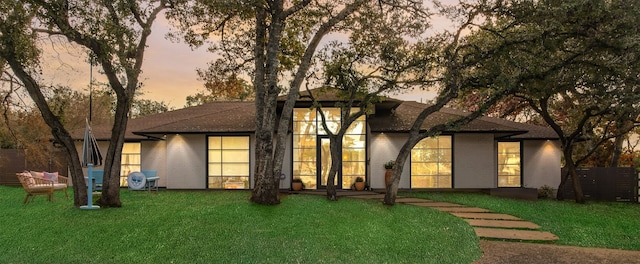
{"type": "Point", "coordinates": [606, 184]}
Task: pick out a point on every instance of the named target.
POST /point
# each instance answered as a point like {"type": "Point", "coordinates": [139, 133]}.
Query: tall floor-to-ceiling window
{"type": "Point", "coordinates": [311, 155]}
{"type": "Point", "coordinates": [130, 161]}
{"type": "Point", "coordinates": [228, 162]}
{"type": "Point", "coordinates": [509, 164]}
{"type": "Point", "coordinates": [431, 163]}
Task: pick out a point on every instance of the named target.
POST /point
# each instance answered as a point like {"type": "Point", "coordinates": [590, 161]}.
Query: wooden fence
{"type": "Point", "coordinates": [16, 160]}
{"type": "Point", "coordinates": [607, 184]}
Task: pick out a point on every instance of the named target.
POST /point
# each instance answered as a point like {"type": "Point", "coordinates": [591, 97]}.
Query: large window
{"type": "Point", "coordinates": [311, 156]}
{"type": "Point", "coordinates": [431, 163]}
{"type": "Point", "coordinates": [509, 166]}
{"type": "Point", "coordinates": [228, 162]}
{"type": "Point", "coordinates": [130, 161]}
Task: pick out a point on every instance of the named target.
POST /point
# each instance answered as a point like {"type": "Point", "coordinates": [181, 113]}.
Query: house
{"type": "Point", "coordinates": [211, 147]}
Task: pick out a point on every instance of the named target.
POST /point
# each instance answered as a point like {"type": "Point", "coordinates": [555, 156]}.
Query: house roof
{"type": "Point", "coordinates": [404, 115]}
{"type": "Point", "coordinates": [239, 117]}
{"type": "Point", "coordinates": [206, 118]}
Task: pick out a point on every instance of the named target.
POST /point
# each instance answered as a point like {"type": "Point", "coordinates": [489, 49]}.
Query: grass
{"type": "Point", "coordinates": [594, 224]}
{"type": "Point", "coordinates": [223, 227]}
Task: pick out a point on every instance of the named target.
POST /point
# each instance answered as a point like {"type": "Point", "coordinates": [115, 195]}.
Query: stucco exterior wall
{"type": "Point", "coordinates": [384, 147]}
{"type": "Point", "coordinates": [186, 161]}
{"type": "Point", "coordinates": [474, 161]}
{"type": "Point", "coordinates": [541, 163]}
{"type": "Point", "coordinates": [153, 156]}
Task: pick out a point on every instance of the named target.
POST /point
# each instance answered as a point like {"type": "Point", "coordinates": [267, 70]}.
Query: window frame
{"type": "Point", "coordinates": [499, 164]}
{"type": "Point", "coordinates": [437, 175]}
{"type": "Point", "coordinates": [123, 154]}
{"type": "Point", "coordinates": [246, 179]}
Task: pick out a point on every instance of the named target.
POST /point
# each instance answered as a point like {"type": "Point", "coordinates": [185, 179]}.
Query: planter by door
{"type": "Point", "coordinates": [387, 178]}
{"type": "Point", "coordinates": [359, 186]}
{"type": "Point", "coordinates": [296, 186]}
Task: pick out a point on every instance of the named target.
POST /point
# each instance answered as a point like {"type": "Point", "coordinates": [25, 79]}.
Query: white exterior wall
{"type": "Point", "coordinates": [186, 161]}
{"type": "Point", "coordinates": [384, 147]}
{"type": "Point", "coordinates": [153, 156]}
{"type": "Point", "coordinates": [474, 161]}
{"type": "Point", "coordinates": [541, 163]}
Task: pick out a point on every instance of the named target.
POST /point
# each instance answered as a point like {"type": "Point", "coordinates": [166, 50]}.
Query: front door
{"type": "Point", "coordinates": [324, 166]}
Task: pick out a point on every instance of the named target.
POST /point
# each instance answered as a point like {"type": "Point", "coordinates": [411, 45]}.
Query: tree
{"type": "Point", "coordinates": [269, 40]}
{"type": "Point", "coordinates": [115, 32]}
{"type": "Point", "coordinates": [461, 67]}
{"type": "Point", "coordinates": [18, 49]}
{"type": "Point", "coordinates": [220, 84]}
{"type": "Point", "coordinates": [373, 60]}
{"type": "Point", "coordinates": [584, 55]}
{"type": "Point", "coordinates": [230, 88]}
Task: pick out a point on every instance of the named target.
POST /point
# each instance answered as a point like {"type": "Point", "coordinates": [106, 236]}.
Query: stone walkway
{"type": "Point", "coordinates": [486, 224]}
{"type": "Point", "coordinates": [509, 231]}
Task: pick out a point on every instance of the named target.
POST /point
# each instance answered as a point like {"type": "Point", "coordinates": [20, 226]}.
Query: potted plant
{"type": "Point", "coordinates": [359, 184]}
{"type": "Point", "coordinates": [387, 175]}
{"type": "Point", "coordinates": [297, 185]}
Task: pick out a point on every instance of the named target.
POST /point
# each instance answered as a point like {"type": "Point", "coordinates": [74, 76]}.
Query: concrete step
{"type": "Point", "coordinates": [501, 223]}
{"type": "Point", "coordinates": [486, 216]}
{"type": "Point", "coordinates": [514, 234]}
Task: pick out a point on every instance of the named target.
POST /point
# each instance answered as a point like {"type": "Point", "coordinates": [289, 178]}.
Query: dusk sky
{"type": "Point", "coordinates": [169, 68]}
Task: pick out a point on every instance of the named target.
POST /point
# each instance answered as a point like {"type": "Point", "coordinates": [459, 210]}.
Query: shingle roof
{"type": "Point", "coordinates": [206, 118]}
{"type": "Point", "coordinates": [239, 117]}
{"type": "Point", "coordinates": [404, 115]}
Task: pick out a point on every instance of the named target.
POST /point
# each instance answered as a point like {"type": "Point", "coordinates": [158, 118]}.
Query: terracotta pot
{"type": "Point", "coordinates": [296, 186]}
{"type": "Point", "coordinates": [387, 178]}
{"type": "Point", "coordinates": [359, 186]}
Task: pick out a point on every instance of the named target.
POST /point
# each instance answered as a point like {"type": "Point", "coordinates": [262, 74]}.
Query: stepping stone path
{"type": "Point", "coordinates": [485, 223]}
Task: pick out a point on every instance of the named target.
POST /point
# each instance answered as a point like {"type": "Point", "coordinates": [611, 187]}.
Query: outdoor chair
{"type": "Point", "coordinates": [40, 186]}
{"type": "Point", "coordinates": [97, 176]}
{"type": "Point", "coordinates": [145, 180]}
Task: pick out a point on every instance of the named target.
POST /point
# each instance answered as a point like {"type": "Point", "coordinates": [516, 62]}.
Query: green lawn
{"type": "Point", "coordinates": [594, 224]}
{"type": "Point", "coordinates": [223, 227]}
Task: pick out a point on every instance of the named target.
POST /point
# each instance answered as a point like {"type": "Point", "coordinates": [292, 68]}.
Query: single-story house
{"type": "Point", "coordinates": [210, 146]}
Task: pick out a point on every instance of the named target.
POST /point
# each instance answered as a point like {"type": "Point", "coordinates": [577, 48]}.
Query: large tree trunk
{"type": "Point", "coordinates": [267, 183]}
{"type": "Point", "coordinates": [563, 182]}
{"type": "Point", "coordinates": [336, 164]}
{"type": "Point", "coordinates": [396, 172]}
{"type": "Point", "coordinates": [111, 183]}
{"type": "Point", "coordinates": [266, 189]}
{"type": "Point", "coordinates": [570, 166]}
{"type": "Point", "coordinates": [616, 152]}
{"type": "Point", "coordinates": [57, 130]}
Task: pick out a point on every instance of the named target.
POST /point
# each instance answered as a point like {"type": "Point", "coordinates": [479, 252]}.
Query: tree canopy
{"type": "Point", "coordinates": [115, 33]}
{"type": "Point", "coordinates": [583, 57]}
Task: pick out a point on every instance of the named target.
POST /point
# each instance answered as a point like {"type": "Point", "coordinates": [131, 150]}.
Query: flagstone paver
{"type": "Point", "coordinates": [462, 209]}
{"type": "Point", "coordinates": [485, 223]}
{"type": "Point", "coordinates": [486, 216]}
{"type": "Point", "coordinates": [515, 234]}
{"type": "Point", "coordinates": [411, 200]}
{"type": "Point", "coordinates": [501, 223]}
{"type": "Point", "coordinates": [368, 196]}
{"type": "Point", "coordinates": [435, 204]}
